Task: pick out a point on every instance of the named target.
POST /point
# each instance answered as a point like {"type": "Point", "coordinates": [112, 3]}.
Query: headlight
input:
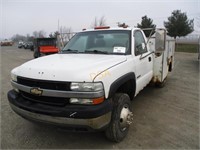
{"type": "Point", "coordinates": [14, 77]}
{"type": "Point", "coordinates": [86, 87]}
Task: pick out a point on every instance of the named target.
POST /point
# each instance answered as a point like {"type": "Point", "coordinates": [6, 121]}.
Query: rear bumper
{"type": "Point", "coordinates": [89, 117]}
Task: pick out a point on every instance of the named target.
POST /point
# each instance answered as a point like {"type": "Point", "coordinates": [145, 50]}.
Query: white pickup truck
{"type": "Point", "coordinates": [89, 84]}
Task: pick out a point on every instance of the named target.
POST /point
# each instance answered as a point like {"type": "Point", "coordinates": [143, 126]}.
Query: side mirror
{"type": "Point", "coordinates": [160, 40]}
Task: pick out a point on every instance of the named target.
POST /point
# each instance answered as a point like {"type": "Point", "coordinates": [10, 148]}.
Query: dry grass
{"type": "Point", "coordinates": [190, 48]}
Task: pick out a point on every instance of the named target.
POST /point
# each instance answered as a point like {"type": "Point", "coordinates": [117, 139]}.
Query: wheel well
{"type": "Point", "coordinates": [128, 88]}
{"type": "Point", "coordinates": [124, 84]}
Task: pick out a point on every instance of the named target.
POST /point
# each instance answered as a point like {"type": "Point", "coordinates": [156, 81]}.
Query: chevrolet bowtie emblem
{"type": "Point", "coordinates": [36, 91]}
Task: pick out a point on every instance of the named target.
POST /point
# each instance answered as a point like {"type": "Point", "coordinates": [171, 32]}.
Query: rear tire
{"type": "Point", "coordinates": [161, 84]}
{"type": "Point", "coordinates": [121, 115]}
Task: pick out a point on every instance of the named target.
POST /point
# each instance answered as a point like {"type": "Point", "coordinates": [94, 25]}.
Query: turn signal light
{"type": "Point", "coordinates": [98, 100]}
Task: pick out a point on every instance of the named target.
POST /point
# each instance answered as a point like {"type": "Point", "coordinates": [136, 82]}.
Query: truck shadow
{"type": "Point", "coordinates": [55, 137]}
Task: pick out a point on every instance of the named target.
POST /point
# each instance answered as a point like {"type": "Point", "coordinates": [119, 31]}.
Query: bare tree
{"type": "Point", "coordinates": [42, 33]}
{"type": "Point", "coordinates": [69, 34]}
{"type": "Point", "coordinates": [65, 35]}
{"type": "Point", "coordinates": [198, 22]}
{"type": "Point", "coordinates": [35, 34]}
{"type": "Point", "coordinates": [18, 37]}
{"type": "Point", "coordinates": [29, 38]}
{"type": "Point", "coordinates": [39, 34]}
{"type": "Point", "coordinates": [95, 22]}
{"type": "Point", "coordinates": [100, 22]}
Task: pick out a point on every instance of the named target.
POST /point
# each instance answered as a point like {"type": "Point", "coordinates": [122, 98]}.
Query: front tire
{"type": "Point", "coordinates": [121, 118]}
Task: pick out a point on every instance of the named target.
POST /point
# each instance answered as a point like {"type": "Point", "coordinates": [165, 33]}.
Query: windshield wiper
{"type": "Point", "coordinates": [96, 51]}
{"type": "Point", "coordinates": [70, 51]}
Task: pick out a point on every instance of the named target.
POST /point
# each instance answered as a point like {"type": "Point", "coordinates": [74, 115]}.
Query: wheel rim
{"type": "Point", "coordinates": [126, 117]}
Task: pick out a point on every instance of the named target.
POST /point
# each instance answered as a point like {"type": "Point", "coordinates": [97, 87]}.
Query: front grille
{"type": "Point", "coordinates": [54, 101]}
{"type": "Point", "coordinates": [44, 84]}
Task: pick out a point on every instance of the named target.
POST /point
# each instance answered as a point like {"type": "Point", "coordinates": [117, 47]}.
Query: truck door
{"type": "Point", "coordinates": [143, 61]}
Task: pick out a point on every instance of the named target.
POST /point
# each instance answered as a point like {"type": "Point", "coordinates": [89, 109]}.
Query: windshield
{"type": "Point", "coordinates": [103, 42]}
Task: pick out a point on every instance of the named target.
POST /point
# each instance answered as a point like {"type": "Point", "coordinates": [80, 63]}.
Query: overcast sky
{"type": "Point", "coordinates": [25, 16]}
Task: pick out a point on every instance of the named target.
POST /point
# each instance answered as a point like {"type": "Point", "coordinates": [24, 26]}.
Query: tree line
{"type": "Point", "coordinates": [28, 37]}
{"type": "Point", "coordinates": [177, 25]}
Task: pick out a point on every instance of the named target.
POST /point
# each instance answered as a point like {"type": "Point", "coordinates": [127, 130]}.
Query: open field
{"type": "Point", "coordinates": [184, 47]}
{"type": "Point", "coordinates": [164, 118]}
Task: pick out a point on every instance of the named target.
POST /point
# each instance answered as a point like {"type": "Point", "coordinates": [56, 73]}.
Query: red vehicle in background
{"type": "Point", "coordinates": [45, 46]}
{"type": "Point", "coordinates": [6, 43]}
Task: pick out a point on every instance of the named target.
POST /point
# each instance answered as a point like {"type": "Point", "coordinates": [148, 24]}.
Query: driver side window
{"type": "Point", "coordinates": [140, 46]}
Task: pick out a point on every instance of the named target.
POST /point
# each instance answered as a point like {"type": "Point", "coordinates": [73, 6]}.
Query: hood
{"type": "Point", "coordinates": [68, 67]}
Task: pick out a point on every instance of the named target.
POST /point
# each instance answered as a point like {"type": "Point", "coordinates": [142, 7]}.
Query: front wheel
{"type": "Point", "coordinates": [121, 118]}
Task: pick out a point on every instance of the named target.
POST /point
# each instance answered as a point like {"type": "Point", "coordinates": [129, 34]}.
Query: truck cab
{"type": "Point", "coordinates": [89, 84]}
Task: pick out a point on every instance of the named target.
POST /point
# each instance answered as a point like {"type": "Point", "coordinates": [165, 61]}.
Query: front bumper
{"type": "Point", "coordinates": [90, 117]}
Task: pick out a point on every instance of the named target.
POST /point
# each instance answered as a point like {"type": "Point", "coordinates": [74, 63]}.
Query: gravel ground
{"type": "Point", "coordinates": [166, 118]}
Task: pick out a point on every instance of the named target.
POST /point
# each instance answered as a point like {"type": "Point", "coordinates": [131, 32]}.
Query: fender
{"type": "Point", "coordinates": [120, 81]}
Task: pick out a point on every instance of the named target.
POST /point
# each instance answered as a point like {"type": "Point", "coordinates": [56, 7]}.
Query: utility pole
{"type": "Point", "coordinates": [58, 25]}
{"type": "Point", "coordinates": [58, 36]}
{"type": "Point", "coordinates": [199, 49]}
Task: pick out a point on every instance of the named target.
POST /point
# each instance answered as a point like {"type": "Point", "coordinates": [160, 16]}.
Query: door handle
{"type": "Point", "coordinates": [149, 59]}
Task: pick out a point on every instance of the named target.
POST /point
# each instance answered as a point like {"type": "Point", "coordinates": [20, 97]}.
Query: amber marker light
{"type": "Point", "coordinates": [98, 100]}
